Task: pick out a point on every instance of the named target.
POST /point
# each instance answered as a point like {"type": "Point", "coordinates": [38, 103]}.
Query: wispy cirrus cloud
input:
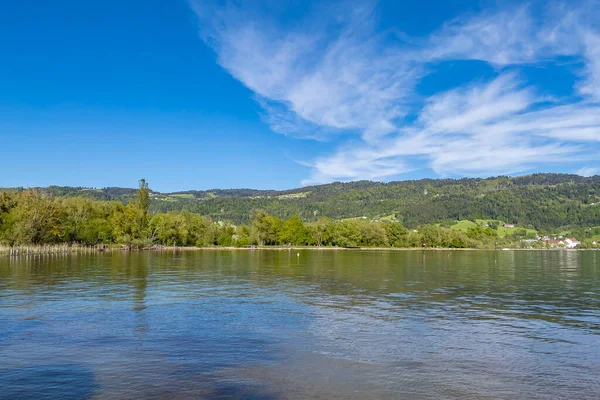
{"type": "Point", "coordinates": [319, 77]}
{"type": "Point", "coordinates": [323, 77]}
{"type": "Point", "coordinates": [491, 128]}
{"type": "Point", "coordinates": [591, 85]}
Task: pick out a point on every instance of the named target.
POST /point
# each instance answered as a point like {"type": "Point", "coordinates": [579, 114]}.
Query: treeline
{"type": "Point", "coordinates": [544, 202]}
{"type": "Point", "coordinates": [537, 203]}
{"type": "Point", "coordinates": [35, 217]}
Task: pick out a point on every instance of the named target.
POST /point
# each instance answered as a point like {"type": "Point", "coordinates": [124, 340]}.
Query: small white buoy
{"type": "Point", "coordinates": [298, 254]}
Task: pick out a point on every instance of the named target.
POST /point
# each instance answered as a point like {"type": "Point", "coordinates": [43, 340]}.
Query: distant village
{"type": "Point", "coordinates": [557, 242]}
{"type": "Point", "coordinates": [553, 242]}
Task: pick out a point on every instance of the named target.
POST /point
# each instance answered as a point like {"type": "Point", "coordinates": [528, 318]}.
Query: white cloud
{"type": "Point", "coordinates": [588, 171]}
{"type": "Point", "coordinates": [490, 128]}
{"type": "Point", "coordinates": [592, 71]}
{"type": "Point", "coordinates": [356, 164]}
{"type": "Point", "coordinates": [499, 38]}
{"type": "Point", "coordinates": [337, 75]}
{"type": "Point", "coordinates": [321, 77]}
{"type": "Point", "coordinates": [466, 110]}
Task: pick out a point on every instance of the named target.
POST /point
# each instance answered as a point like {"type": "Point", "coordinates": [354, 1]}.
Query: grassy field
{"type": "Point", "coordinates": [502, 231]}
{"type": "Point", "coordinates": [463, 225]}
{"type": "Point", "coordinates": [293, 195]}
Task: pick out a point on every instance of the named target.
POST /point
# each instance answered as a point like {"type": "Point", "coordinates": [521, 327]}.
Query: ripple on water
{"type": "Point", "coordinates": [468, 325]}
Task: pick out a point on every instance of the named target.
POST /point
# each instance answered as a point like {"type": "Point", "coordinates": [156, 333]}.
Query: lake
{"type": "Point", "coordinates": [315, 324]}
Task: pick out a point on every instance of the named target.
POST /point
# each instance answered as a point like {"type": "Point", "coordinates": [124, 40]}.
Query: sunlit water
{"type": "Point", "coordinates": [324, 324]}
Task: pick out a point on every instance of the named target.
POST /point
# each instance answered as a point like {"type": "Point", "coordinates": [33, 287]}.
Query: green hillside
{"type": "Point", "coordinates": [542, 202]}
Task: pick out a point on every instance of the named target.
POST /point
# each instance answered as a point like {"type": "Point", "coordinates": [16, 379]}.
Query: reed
{"type": "Point", "coordinates": [31, 250]}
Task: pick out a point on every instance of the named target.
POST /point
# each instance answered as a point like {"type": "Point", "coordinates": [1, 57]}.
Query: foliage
{"type": "Point", "coordinates": [432, 213]}
{"type": "Point", "coordinates": [265, 228]}
{"type": "Point", "coordinates": [294, 232]}
{"type": "Point", "coordinates": [539, 201]}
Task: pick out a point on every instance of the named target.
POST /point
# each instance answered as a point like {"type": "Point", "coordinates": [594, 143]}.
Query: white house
{"type": "Point", "coordinates": [571, 243]}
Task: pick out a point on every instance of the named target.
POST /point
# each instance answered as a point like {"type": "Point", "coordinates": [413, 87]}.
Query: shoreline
{"type": "Point", "coordinates": [65, 249]}
{"type": "Point", "coordinates": [327, 248]}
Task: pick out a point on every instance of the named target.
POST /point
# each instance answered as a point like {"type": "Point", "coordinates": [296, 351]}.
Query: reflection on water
{"type": "Point", "coordinates": [327, 324]}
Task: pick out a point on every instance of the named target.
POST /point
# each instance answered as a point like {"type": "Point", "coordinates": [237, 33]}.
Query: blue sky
{"type": "Point", "coordinates": [275, 94]}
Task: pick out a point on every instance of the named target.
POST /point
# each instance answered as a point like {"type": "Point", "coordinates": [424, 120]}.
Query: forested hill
{"type": "Point", "coordinates": [539, 201]}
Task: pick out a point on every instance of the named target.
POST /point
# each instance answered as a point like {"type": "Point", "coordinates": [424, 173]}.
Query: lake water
{"type": "Point", "coordinates": [321, 324]}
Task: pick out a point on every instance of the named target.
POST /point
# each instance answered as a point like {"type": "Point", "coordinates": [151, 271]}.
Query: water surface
{"type": "Point", "coordinates": [324, 324]}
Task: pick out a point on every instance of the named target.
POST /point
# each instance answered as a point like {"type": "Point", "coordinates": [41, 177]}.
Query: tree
{"type": "Point", "coordinates": [320, 231]}
{"type": "Point", "coordinates": [86, 221]}
{"type": "Point", "coordinates": [198, 230]}
{"type": "Point", "coordinates": [346, 234]}
{"type": "Point", "coordinates": [241, 236]}
{"type": "Point", "coordinates": [143, 196]}
{"type": "Point", "coordinates": [143, 203]}
{"type": "Point", "coordinates": [294, 232]}
{"type": "Point", "coordinates": [431, 235]}
{"type": "Point", "coordinates": [127, 228]}
{"type": "Point", "coordinates": [264, 228]}
{"type": "Point", "coordinates": [76, 212]}
{"type": "Point", "coordinates": [373, 234]}
{"type": "Point", "coordinates": [34, 220]}
{"type": "Point", "coordinates": [170, 229]}
{"type": "Point", "coordinates": [7, 203]}
{"type": "Point", "coordinates": [396, 233]}
{"type": "Point", "coordinates": [225, 232]}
